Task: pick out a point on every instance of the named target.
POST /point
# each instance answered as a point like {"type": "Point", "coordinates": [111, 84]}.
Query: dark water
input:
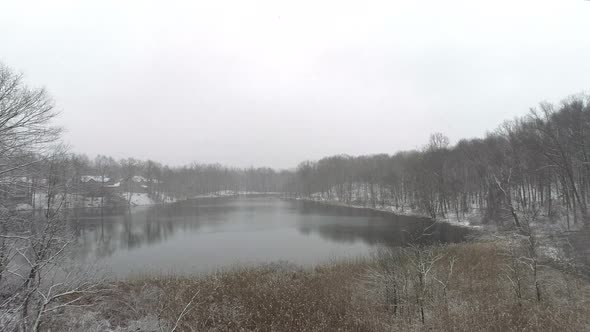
{"type": "Point", "coordinates": [200, 236]}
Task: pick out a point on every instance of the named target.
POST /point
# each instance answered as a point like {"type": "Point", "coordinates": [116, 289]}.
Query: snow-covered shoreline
{"type": "Point", "coordinates": [79, 201]}
{"type": "Point", "coordinates": [231, 193]}
{"type": "Point", "coordinates": [399, 212]}
{"type": "Point", "coordinates": [137, 199]}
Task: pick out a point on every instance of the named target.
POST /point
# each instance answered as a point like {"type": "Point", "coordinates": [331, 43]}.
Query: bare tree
{"type": "Point", "coordinates": [25, 117]}
{"type": "Point", "coordinates": [103, 165]}
{"type": "Point", "coordinates": [423, 260]}
{"type": "Point", "coordinates": [129, 167]}
{"type": "Point", "coordinates": [33, 246]}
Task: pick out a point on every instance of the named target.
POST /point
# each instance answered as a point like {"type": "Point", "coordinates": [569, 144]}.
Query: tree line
{"type": "Point", "coordinates": [180, 181]}
{"type": "Point", "coordinates": [540, 162]}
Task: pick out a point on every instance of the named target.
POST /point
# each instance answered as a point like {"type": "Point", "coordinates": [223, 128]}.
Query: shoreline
{"type": "Point", "coordinates": [24, 207]}
{"type": "Point", "coordinates": [392, 211]}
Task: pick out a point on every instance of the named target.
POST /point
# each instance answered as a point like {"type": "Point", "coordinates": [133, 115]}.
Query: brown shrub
{"type": "Point", "coordinates": [377, 294]}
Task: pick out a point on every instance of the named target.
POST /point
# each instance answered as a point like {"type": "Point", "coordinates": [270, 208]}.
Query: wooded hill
{"type": "Point", "coordinates": [539, 163]}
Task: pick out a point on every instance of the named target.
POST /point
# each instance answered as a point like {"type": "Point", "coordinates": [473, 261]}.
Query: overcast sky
{"type": "Point", "coordinates": [274, 83]}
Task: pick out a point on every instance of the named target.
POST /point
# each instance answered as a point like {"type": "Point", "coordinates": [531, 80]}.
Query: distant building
{"type": "Point", "coordinates": [95, 185]}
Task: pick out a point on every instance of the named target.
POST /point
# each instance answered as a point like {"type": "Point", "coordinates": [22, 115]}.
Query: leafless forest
{"type": "Point", "coordinates": [538, 162]}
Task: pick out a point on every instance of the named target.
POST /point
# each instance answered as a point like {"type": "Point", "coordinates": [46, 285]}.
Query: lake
{"type": "Point", "coordinates": [199, 236]}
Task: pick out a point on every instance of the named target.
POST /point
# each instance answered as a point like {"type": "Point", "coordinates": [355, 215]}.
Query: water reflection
{"type": "Point", "coordinates": [220, 231]}
{"type": "Point", "coordinates": [374, 227]}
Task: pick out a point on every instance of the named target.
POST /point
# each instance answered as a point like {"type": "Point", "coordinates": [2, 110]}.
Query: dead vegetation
{"type": "Point", "coordinates": [464, 287]}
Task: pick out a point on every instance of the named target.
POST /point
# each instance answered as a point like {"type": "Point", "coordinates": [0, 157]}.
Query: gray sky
{"type": "Point", "coordinates": [277, 82]}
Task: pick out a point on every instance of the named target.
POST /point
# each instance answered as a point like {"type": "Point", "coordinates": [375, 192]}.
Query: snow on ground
{"type": "Point", "coordinates": [70, 201]}
{"type": "Point", "coordinates": [23, 207]}
{"type": "Point", "coordinates": [79, 201]}
{"type": "Point", "coordinates": [138, 199]}
{"type": "Point", "coordinates": [168, 199]}
{"type": "Point", "coordinates": [552, 252]}
{"type": "Point", "coordinates": [470, 219]}
{"type": "Point", "coordinates": [229, 193]}
{"type": "Point", "coordinates": [359, 198]}
{"type": "Point", "coordinates": [143, 199]}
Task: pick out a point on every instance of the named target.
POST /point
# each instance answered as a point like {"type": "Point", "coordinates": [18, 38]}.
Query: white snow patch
{"type": "Point", "coordinates": [23, 207]}
{"type": "Point", "coordinates": [168, 199]}
{"type": "Point", "coordinates": [230, 193]}
{"type": "Point", "coordinates": [138, 199]}
{"type": "Point", "coordinates": [139, 179]}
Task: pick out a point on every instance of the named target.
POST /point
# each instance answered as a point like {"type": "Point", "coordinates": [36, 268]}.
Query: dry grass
{"type": "Point", "coordinates": [266, 298]}
{"type": "Point", "coordinates": [379, 294]}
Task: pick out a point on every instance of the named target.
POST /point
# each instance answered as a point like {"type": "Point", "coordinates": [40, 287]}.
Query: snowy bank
{"type": "Point", "coordinates": [232, 193]}
{"type": "Point", "coordinates": [471, 220]}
